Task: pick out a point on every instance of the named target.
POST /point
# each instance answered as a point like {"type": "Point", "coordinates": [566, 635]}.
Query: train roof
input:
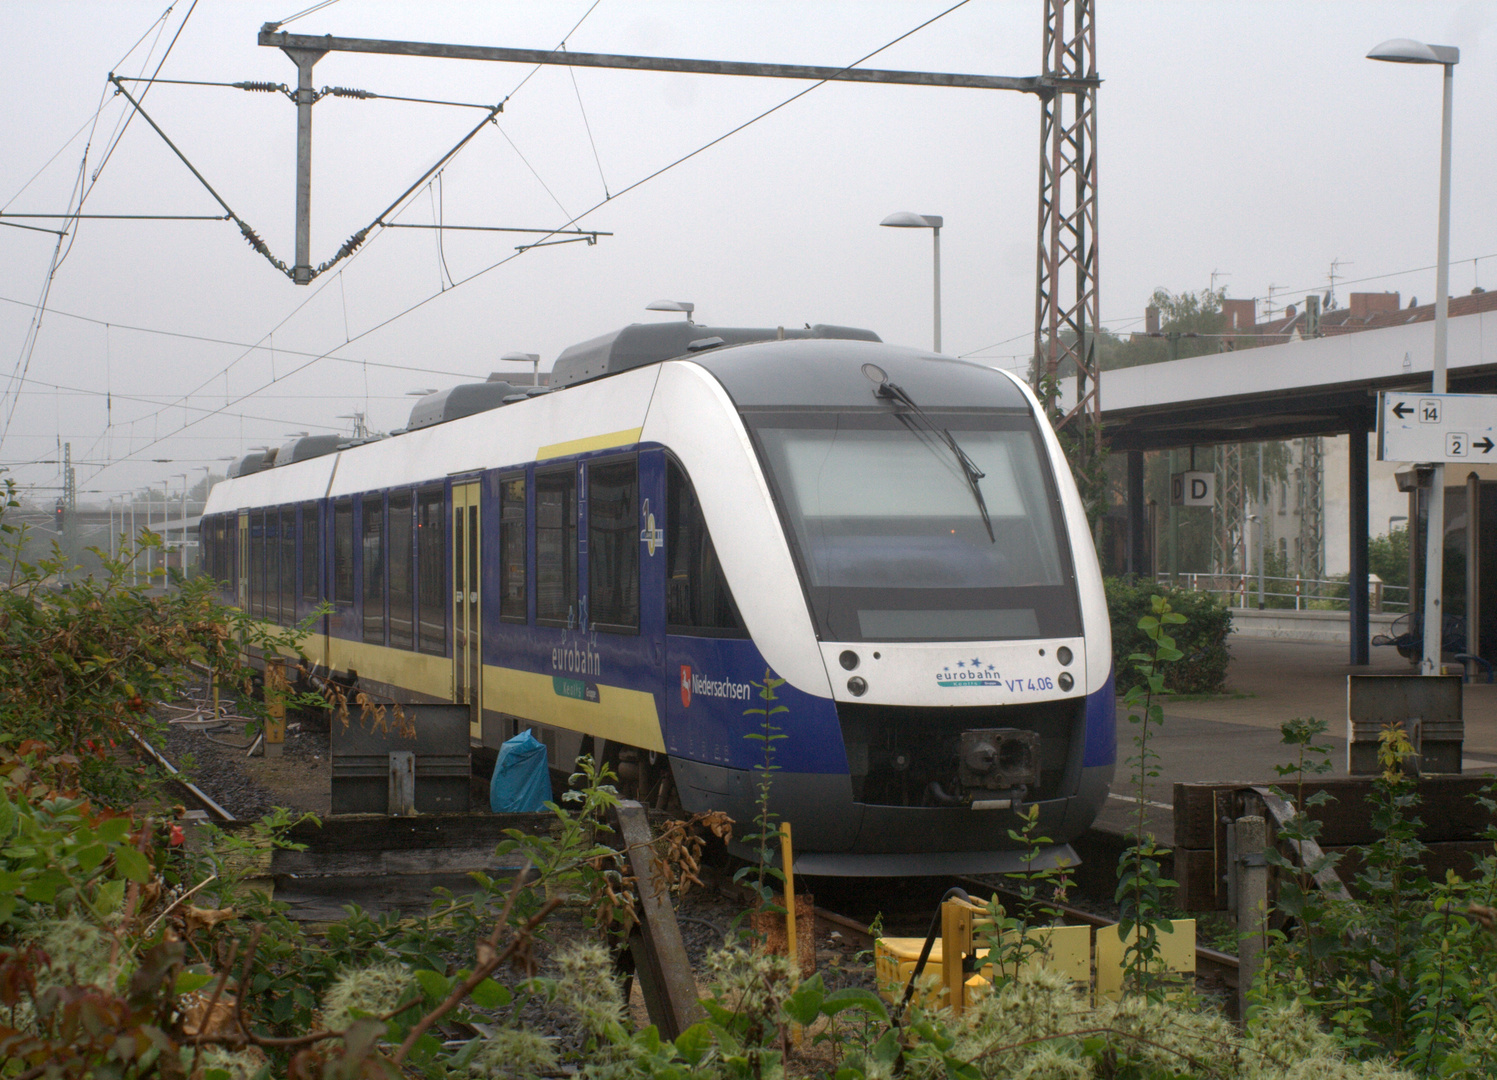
{"type": "Point", "coordinates": [651, 343]}
{"type": "Point", "coordinates": [831, 375]}
{"type": "Point", "coordinates": [822, 372]}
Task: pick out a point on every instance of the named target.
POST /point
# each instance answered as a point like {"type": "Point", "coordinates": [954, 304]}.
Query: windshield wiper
{"type": "Point", "coordinates": [894, 392]}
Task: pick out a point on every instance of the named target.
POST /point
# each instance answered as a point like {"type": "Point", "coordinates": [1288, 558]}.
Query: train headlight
{"type": "Point", "coordinates": [857, 686]}
{"type": "Point", "coordinates": [1065, 680]}
{"type": "Point", "coordinates": [848, 659]}
{"type": "Point", "coordinates": [1063, 654]}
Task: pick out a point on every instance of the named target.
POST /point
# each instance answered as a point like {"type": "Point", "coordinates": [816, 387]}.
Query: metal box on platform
{"type": "Point", "coordinates": [1428, 706]}
{"type": "Point", "coordinates": [380, 772]}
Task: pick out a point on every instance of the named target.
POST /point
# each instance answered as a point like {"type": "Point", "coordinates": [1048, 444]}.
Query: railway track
{"type": "Point", "coordinates": [196, 794]}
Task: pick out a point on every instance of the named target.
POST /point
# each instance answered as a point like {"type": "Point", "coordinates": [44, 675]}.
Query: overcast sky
{"type": "Point", "coordinates": [1250, 140]}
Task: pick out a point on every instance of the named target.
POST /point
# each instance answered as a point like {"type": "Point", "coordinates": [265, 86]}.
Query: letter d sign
{"type": "Point", "coordinates": [1200, 489]}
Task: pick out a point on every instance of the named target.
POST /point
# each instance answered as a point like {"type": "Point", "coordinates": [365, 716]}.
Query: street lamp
{"type": "Point", "coordinates": [1405, 51]}
{"type": "Point", "coordinates": [686, 307]}
{"type": "Point", "coordinates": [531, 358]}
{"type": "Point", "coordinates": [906, 220]}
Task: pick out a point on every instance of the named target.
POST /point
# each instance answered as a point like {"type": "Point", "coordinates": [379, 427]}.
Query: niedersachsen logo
{"type": "Point", "coordinates": [971, 672]}
{"type": "Point", "coordinates": [694, 685]}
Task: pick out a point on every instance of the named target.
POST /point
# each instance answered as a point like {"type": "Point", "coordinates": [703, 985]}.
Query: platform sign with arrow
{"type": "Point", "coordinates": [1436, 427]}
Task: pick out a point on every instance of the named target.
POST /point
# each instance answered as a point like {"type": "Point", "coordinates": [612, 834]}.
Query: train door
{"type": "Point", "coordinates": [652, 571]}
{"type": "Point", "coordinates": [242, 563]}
{"type": "Point", "coordinates": [467, 636]}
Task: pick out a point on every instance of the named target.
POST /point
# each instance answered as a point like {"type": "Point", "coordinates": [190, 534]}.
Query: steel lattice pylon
{"type": "Point", "coordinates": [1067, 310]}
{"type": "Point", "coordinates": [1228, 516]}
{"type": "Point", "coordinates": [1311, 560]}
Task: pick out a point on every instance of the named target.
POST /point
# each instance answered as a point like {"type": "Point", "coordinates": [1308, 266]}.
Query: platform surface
{"type": "Point", "coordinates": [1235, 737]}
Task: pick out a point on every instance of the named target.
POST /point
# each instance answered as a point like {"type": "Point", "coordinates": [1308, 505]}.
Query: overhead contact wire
{"type": "Point", "coordinates": [646, 179]}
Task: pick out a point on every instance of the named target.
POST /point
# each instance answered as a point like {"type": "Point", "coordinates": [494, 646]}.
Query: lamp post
{"type": "Point", "coordinates": [906, 220]}
{"type": "Point", "coordinates": [686, 307]}
{"type": "Point", "coordinates": [182, 549]}
{"type": "Point", "coordinates": [1405, 51]}
{"type": "Point", "coordinates": [531, 358]}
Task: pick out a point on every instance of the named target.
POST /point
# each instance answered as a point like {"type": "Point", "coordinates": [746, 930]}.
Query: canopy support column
{"type": "Point", "coordinates": [1356, 531]}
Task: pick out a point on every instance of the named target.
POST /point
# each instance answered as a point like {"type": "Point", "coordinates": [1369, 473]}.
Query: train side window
{"type": "Point", "coordinates": [373, 547]}
{"type": "Point", "coordinates": [257, 563]}
{"type": "Point", "coordinates": [555, 545]}
{"type": "Point", "coordinates": [271, 603]}
{"type": "Point", "coordinates": [402, 585]}
{"type": "Point", "coordinates": [512, 548]}
{"type": "Point", "coordinates": [613, 545]}
{"type": "Point", "coordinates": [431, 570]}
{"type": "Point", "coordinates": [311, 553]}
{"type": "Point", "coordinates": [343, 552]}
{"type": "Point", "coordinates": [288, 567]}
{"type": "Point", "coordinates": [697, 598]}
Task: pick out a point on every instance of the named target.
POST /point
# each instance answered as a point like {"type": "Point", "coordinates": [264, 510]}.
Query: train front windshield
{"type": "Point", "coordinates": [892, 539]}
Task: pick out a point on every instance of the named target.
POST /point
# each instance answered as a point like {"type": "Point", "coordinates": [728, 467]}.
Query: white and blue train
{"type": "Point", "coordinates": [621, 561]}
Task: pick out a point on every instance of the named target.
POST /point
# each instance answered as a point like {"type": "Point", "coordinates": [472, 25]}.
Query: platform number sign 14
{"type": "Point", "coordinates": [1436, 427]}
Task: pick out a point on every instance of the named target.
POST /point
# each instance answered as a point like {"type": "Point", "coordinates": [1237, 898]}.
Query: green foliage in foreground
{"type": "Point", "coordinates": [123, 956]}
{"type": "Point", "coordinates": [104, 981]}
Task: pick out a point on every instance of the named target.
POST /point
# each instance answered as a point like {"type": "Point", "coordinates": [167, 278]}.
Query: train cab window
{"type": "Point", "coordinates": [555, 545]}
{"type": "Point", "coordinates": [697, 598]}
{"type": "Point", "coordinates": [372, 535]}
{"type": "Point", "coordinates": [431, 571]}
{"type": "Point", "coordinates": [343, 553]}
{"type": "Point", "coordinates": [288, 567]}
{"type": "Point", "coordinates": [613, 545]}
{"type": "Point", "coordinates": [311, 553]}
{"type": "Point", "coordinates": [402, 566]}
{"type": "Point", "coordinates": [512, 549]}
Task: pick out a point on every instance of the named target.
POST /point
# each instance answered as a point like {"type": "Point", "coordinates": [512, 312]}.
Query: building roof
{"type": "Point", "coordinates": [1357, 317]}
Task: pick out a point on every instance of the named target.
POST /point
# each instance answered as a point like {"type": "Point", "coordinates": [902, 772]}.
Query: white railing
{"type": "Point", "coordinates": [1285, 593]}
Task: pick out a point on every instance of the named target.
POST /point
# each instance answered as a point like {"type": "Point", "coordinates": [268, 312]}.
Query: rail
{"type": "Point", "coordinates": [1291, 593]}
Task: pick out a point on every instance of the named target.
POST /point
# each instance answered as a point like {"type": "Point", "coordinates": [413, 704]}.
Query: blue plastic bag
{"type": "Point", "coordinates": [521, 783]}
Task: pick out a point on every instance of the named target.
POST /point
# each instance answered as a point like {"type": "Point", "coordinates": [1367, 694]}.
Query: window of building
{"type": "Point", "coordinates": [613, 545]}
{"type": "Point", "coordinates": [431, 570]}
{"type": "Point", "coordinates": [697, 598]}
{"type": "Point", "coordinates": [373, 549]}
{"type": "Point", "coordinates": [288, 567]}
{"type": "Point", "coordinates": [512, 549]}
{"type": "Point", "coordinates": [555, 545]}
{"type": "Point", "coordinates": [402, 572]}
{"type": "Point", "coordinates": [311, 553]}
{"type": "Point", "coordinates": [343, 552]}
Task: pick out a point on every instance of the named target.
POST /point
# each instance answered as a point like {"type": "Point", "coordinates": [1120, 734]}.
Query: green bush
{"type": "Point", "coordinates": [1202, 638]}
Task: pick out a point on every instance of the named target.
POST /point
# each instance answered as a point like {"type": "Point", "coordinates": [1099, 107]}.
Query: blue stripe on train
{"type": "Point", "coordinates": [714, 687]}
{"type": "Point", "coordinates": [1102, 725]}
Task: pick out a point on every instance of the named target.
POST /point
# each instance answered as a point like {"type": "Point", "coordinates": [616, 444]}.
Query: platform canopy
{"type": "Point", "coordinates": [1322, 386]}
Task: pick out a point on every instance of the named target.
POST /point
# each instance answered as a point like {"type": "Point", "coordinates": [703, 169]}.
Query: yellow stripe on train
{"type": "Point", "coordinates": [618, 714]}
